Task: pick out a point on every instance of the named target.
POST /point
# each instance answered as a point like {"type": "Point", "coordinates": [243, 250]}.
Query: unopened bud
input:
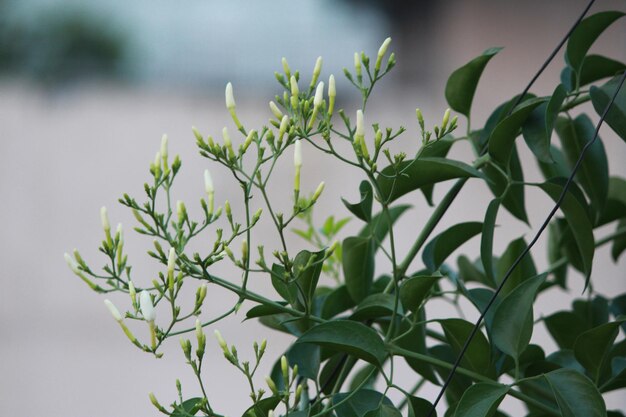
{"type": "Point", "coordinates": [132, 292]}
{"type": "Point", "coordinates": [146, 306]}
{"type": "Point", "coordinates": [317, 69]}
{"type": "Point", "coordinates": [196, 133]}
{"type": "Point", "coordinates": [71, 263]}
{"type": "Point", "coordinates": [171, 261]}
{"type": "Point", "coordinates": [208, 182]}
{"type": "Point", "coordinates": [157, 164]}
{"type": "Point", "coordinates": [284, 366]}
{"type": "Point", "coordinates": [284, 123]}
{"type": "Point", "coordinates": [186, 347]}
{"type": "Point", "coordinates": [256, 216]}
{"type": "Point", "coordinates": [297, 154]}
{"type": "Point", "coordinates": [420, 118]}
{"type": "Point", "coordinates": [271, 385]}
{"type": "Point", "coordinates": [286, 68]}
{"type": "Point", "coordinates": [248, 140]}
{"type": "Point", "coordinates": [293, 83]}
{"type": "Point", "coordinates": [357, 65]}
{"type": "Point", "coordinates": [221, 341]}
{"type": "Point", "coordinates": [181, 210]}
{"type": "Point", "coordinates": [228, 143]}
{"type": "Point", "coordinates": [444, 122]}
{"type": "Point", "coordinates": [378, 138]}
{"type": "Point", "coordinates": [319, 95]}
{"type": "Point", "coordinates": [381, 52]}
{"type": "Point", "coordinates": [155, 403]}
{"type": "Point", "coordinates": [276, 111]}
{"type": "Point", "coordinates": [332, 93]}
{"type": "Point", "coordinates": [106, 226]}
{"type": "Point", "coordinates": [244, 250]}
{"type": "Point", "coordinates": [230, 98]}
{"type": "Point", "coordinates": [113, 310]}
{"type": "Point", "coordinates": [318, 192]}
{"type": "Point", "coordinates": [360, 129]}
{"type": "Point", "coordinates": [164, 146]}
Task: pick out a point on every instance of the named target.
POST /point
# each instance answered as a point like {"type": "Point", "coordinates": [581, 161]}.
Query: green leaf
{"type": "Point", "coordinates": [378, 227]}
{"type": "Point", "coordinates": [477, 358]}
{"type": "Point", "coordinates": [481, 400]}
{"type": "Point", "coordinates": [514, 199]}
{"type": "Point", "coordinates": [357, 404]}
{"type": "Point", "coordinates": [575, 395]}
{"type": "Point", "coordinates": [283, 286]}
{"type": "Point", "coordinates": [462, 83]}
{"type": "Point", "coordinates": [187, 408]}
{"type": "Point", "coordinates": [619, 244]}
{"type": "Point", "coordinates": [558, 168]}
{"type": "Point", "coordinates": [579, 223]}
{"type": "Point", "coordinates": [362, 209]}
{"type": "Point", "coordinates": [585, 35]}
{"type": "Point", "coordinates": [522, 272]}
{"type": "Point", "coordinates": [415, 289]}
{"type": "Point", "coordinates": [472, 271]}
{"type": "Point", "coordinates": [593, 173]}
{"type": "Point", "coordinates": [307, 267]}
{"type": "Point", "coordinates": [358, 266]}
{"type": "Point", "coordinates": [486, 240]}
{"type": "Point", "coordinates": [262, 310]}
{"type": "Point", "coordinates": [439, 149]}
{"type": "Point", "coordinates": [593, 346]}
{"type": "Point", "coordinates": [384, 410]}
{"type": "Point", "coordinates": [595, 68]}
{"type": "Point", "coordinates": [263, 407]}
{"type": "Point", "coordinates": [413, 338]}
{"type": "Point", "coordinates": [537, 129]}
{"type": "Point", "coordinates": [419, 407]}
{"type": "Point", "coordinates": [417, 173]}
{"type": "Point", "coordinates": [618, 307]}
{"type": "Point", "coordinates": [601, 97]}
{"type": "Point", "coordinates": [513, 318]}
{"type": "Point", "coordinates": [564, 327]}
{"type": "Point", "coordinates": [375, 306]}
{"type": "Point", "coordinates": [615, 207]}
{"type": "Point", "coordinates": [307, 357]}
{"type": "Point", "coordinates": [502, 138]}
{"type": "Point", "coordinates": [442, 245]}
{"type": "Point", "coordinates": [336, 302]}
{"type": "Point", "coordinates": [349, 337]}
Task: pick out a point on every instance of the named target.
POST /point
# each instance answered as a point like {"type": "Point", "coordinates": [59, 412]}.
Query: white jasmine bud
{"type": "Point", "coordinates": [357, 65]}
{"type": "Point", "coordinates": [244, 251]}
{"type": "Point", "coordinates": [221, 342]}
{"type": "Point", "coordinates": [360, 129]}
{"type": "Point", "coordinates": [228, 143]}
{"type": "Point", "coordinates": [132, 292]}
{"type": "Point", "coordinates": [196, 133]}
{"type": "Point", "coordinates": [171, 261]}
{"type": "Point", "coordinates": [164, 140]}
{"type": "Point", "coordinates": [106, 226]}
{"type": "Point", "coordinates": [155, 403]}
{"type": "Point", "coordinates": [248, 141]}
{"type": "Point", "coordinates": [181, 210]}
{"type": "Point", "coordinates": [230, 98]}
{"type": "Point", "coordinates": [208, 182]}
{"type": "Point", "coordinates": [319, 95]}
{"type": "Point", "coordinates": [444, 122]}
{"type": "Point", "coordinates": [294, 86]}
{"type": "Point", "coordinates": [332, 93]}
{"type": "Point", "coordinates": [146, 306]}
{"type": "Point", "coordinates": [272, 386]}
{"type": "Point", "coordinates": [71, 263]}
{"type": "Point", "coordinates": [275, 110]}
{"type": "Point", "coordinates": [286, 68]}
{"type": "Point", "coordinates": [284, 366]}
{"type": "Point", "coordinates": [378, 138]}
{"type": "Point", "coordinates": [256, 216]}
{"type": "Point", "coordinates": [297, 154]}
{"type": "Point", "coordinates": [284, 124]}
{"type": "Point", "coordinates": [113, 310]}
{"type": "Point", "coordinates": [318, 191]}
{"type": "Point", "coordinates": [381, 52]}
{"type": "Point", "coordinates": [317, 69]}
{"type": "Point", "coordinates": [199, 332]}
{"type": "Point", "coordinates": [156, 166]}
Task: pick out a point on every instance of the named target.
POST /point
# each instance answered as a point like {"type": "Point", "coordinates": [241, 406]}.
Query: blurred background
{"type": "Point", "coordinates": [88, 88]}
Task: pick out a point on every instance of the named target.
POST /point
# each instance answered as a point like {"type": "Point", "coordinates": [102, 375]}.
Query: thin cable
{"type": "Point", "coordinates": [457, 362]}
{"type": "Point", "coordinates": [529, 247]}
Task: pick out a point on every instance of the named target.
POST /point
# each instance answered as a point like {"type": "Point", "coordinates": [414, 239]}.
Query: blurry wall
{"type": "Point", "coordinates": [86, 92]}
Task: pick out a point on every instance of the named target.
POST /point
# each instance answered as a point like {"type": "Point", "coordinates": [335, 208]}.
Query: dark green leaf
{"type": "Point", "coordinates": [477, 357]}
{"type": "Point", "coordinates": [307, 357]}
{"type": "Point", "coordinates": [481, 400]}
{"type": "Point", "coordinates": [565, 359]}
{"type": "Point", "coordinates": [537, 130]}
{"type": "Point", "coordinates": [442, 245]}
{"type": "Point", "coordinates": [618, 308]}
{"type": "Point", "coordinates": [615, 207]}
{"type": "Point", "coordinates": [415, 289]}
{"type": "Point", "coordinates": [378, 227]}
{"type": "Point", "coordinates": [188, 407]}
{"type": "Point", "coordinates": [364, 378]}
{"type": "Point", "coordinates": [522, 272]}
{"type": "Point", "coordinates": [462, 83]}
{"type": "Point", "coordinates": [336, 302]}
{"type": "Point", "coordinates": [558, 168]}
{"type": "Point", "coordinates": [585, 35]}
{"type": "Point", "coordinates": [384, 410]}
{"type": "Point", "coordinates": [358, 404]}
{"type": "Point", "coordinates": [486, 242]}
{"type": "Point", "coordinates": [575, 394]}
{"type": "Point", "coordinates": [619, 243]}
{"type": "Point", "coordinates": [503, 136]}
{"type": "Point", "coordinates": [262, 408]}
{"type": "Point", "coordinates": [460, 383]}
{"type": "Point", "coordinates": [593, 346]}
{"type": "Point", "coordinates": [414, 340]}
{"type": "Point", "coordinates": [601, 97]}
{"type": "Point", "coordinates": [349, 337]}
{"type": "Point", "coordinates": [283, 286]}
{"type": "Point", "coordinates": [472, 271]}
{"type": "Point", "coordinates": [421, 172]}
{"type": "Point", "coordinates": [362, 209]}
{"type": "Point", "coordinates": [511, 195]}
{"type": "Point", "coordinates": [437, 149]}
{"type": "Point", "coordinates": [593, 172]}
{"type": "Point", "coordinates": [555, 253]}
{"type": "Point", "coordinates": [513, 318]}
{"type": "Point", "coordinates": [307, 267]}
{"type": "Point", "coordinates": [419, 407]}
{"type": "Point", "coordinates": [595, 68]}
{"type": "Point", "coordinates": [592, 312]}
{"type": "Point", "coordinates": [358, 266]}
{"type": "Point", "coordinates": [579, 223]}
{"type": "Point", "coordinates": [375, 306]}
{"type": "Point", "coordinates": [262, 310]}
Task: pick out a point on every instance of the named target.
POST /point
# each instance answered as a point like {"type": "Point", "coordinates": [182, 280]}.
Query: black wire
{"type": "Point", "coordinates": [546, 221]}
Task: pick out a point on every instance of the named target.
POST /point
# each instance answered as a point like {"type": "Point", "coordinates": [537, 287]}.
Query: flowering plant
{"type": "Point", "coordinates": [355, 318]}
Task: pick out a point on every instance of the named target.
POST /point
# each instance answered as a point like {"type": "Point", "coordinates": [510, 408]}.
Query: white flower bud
{"type": "Point", "coordinates": [208, 182]}
{"type": "Point", "coordinates": [297, 154]}
{"type": "Point", "coordinates": [227, 142]}
{"type": "Point", "coordinates": [318, 191]}
{"type": "Point", "coordinates": [199, 332]}
{"type": "Point", "coordinates": [332, 92]}
{"type": "Point", "coordinates": [286, 67]}
{"type": "Point", "coordinates": [171, 261]}
{"type": "Point", "coordinates": [181, 210]}
{"type": "Point", "coordinates": [71, 263]}
{"type": "Point", "coordinates": [357, 64]}
{"type": "Point", "coordinates": [294, 86]}
{"type": "Point", "coordinates": [164, 140]}
{"type": "Point", "coordinates": [444, 122]}
{"type": "Point", "coordinates": [276, 111]}
{"type": "Point", "coordinates": [114, 311]}
{"type": "Point", "coordinates": [221, 341]}
{"type": "Point", "coordinates": [284, 123]}
{"type": "Point", "coordinates": [230, 98]}
{"type": "Point", "coordinates": [284, 366]}
{"type": "Point", "coordinates": [106, 226]}
{"type": "Point", "coordinates": [318, 67]}
{"type": "Point", "coordinates": [132, 292]}
{"type": "Point", "coordinates": [319, 94]}
{"type": "Point", "coordinates": [146, 306]}
{"type": "Point", "coordinates": [383, 48]}
{"type": "Point", "coordinates": [248, 141]}
{"type": "Point", "coordinates": [360, 130]}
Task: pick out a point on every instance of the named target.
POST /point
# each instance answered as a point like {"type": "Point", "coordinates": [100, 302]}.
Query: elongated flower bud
{"type": "Point", "coordinates": [381, 53]}
{"type": "Point", "coordinates": [284, 366]}
{"type": "Point", "coordinates": [357, 65]}
{"type": "Point", "coordinates": [286, 68]}
{"type": "Point", "coordinates": [276, 111]}
{"type": "Point", "coordinates": [228, 143]}
{"type": "Point", "coordinates": [113, 310]}
{"type": "Point", "coordinates": [230, 98]}
{"type": "Point", "coordinates": [106, 226]}
{"type": "Point", "coordinates": [444, 122]}
{"type": "Point", "coordinates": [208, 182]}
{"type": "Point", "coordinates": [284, 124]}
{"type": "Point", "coordinates": [146, 306]}
{"type": "Point", "coordinates": [297, 154]}
{"type": "Point", "coordinates": [221, 342]}
{"type": "Point", "coordinates": [318, 191]}
{"type": "Point", "coordinates": [132, 292]}
{"type": "Point", "coordinates": [171, 261]}
{"type": "Point", "coordinates": [164, 140]}
{"type": "Point", "coordinates": [332, 93]}
{"type": "Point", "coordinates": [272, 386]}
{"type": "Point", "coordinates": [317, 69]}
{"type": "Point", "coordinates": [360, 129]}
{"type": "Point", "coordinates": [319, 95]}
{"type": "Point", "coordinates": [293, 83]}
{"type": "Point", "coordinates": [248, 141]}
{"type": "Point", "coordinates": [181, 210]}
{"type": "Point", "coordinates": [71, 263]}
